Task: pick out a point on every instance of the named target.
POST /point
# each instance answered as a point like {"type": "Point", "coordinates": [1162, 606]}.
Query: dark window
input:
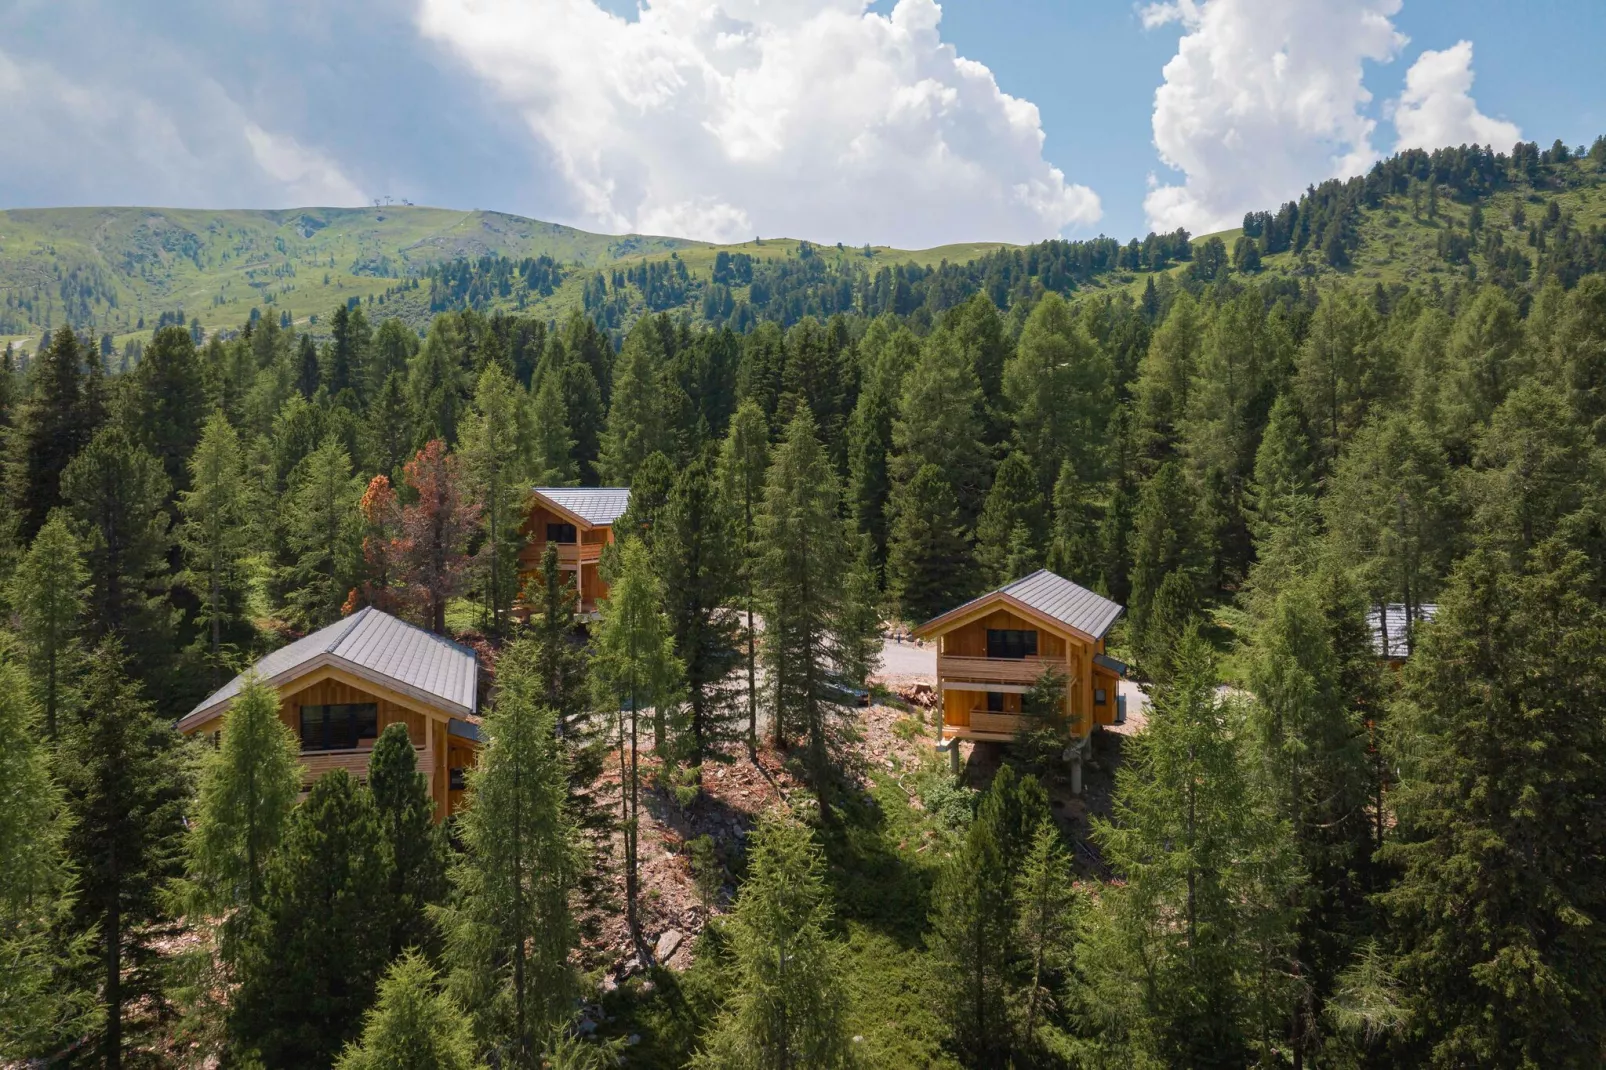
{"type": "Point", "coordinates": [561, 533]}
{"type": "Point", "coordinates": [1011, 643]}
{"type": "Point", "coordinates": [458, 779]}
{"type": "Point", "coordinates": [1100, 697]}
{"type": "Point", "coordinates": [338, 727]}
{"type": "Point", "coordinates": [995, 702]}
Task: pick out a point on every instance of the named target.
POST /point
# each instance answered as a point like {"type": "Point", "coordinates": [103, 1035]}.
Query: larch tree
{"type": "Point", "coordinates": [413, 1025]}
{"type": "Point", "coordinates": [1073, 550]}
{"type": "Point", "coordinates": [417, 849]}
{"type": "Point", "coordinates": [553, 446]}
{"type": "Point", "coordinates": [1311, 739]}
{"type": "Point", "coordinates": [803, 595]}
{"type": "Point", "coordinates": [379, 570]}
{"type": "Point", "coordinates": [645, 401]}
{"type": "Point", "coordinates": [43, 1008]}
{"type": "Point", "coordinates": [1165, 540]}
{"type": "Point", "coordinates": [48, 595]}
{"type": "Point", "coordinates": [497, 466]}
{"type": "Point", "coordinates": [938, 423]}
{"type": "Point", "coordinates": [1013, 502]}
{"type": "Point", "coordinates": [1046, 906]}
{"type": "Point", "coordinates": [389, 429]}
{"type": "Point", "coordinates": [435, 533]}
{"type": "Point", "coordinates": [743, 461]}
{"type": "Point", "coordinates": [436, 381]}
{"type": "Point", "coordinates": [1188, 955]}
{"type": "Point", "coordinates": [1057, 384]}
{"type": "Point", "coordinates": [322, 518]}
{"type": "Point", "coordinates": [695, 555]}
{"type": "Point", "coordinates": [634, 668]}
{"type": "Point", "coordinates": [126, 787]}
{"type": "Point", "coordinates": [315, 955]}
{"type": "Point", "coordinates": [214, 534]}
{"type": "Point", "coordinates": [787, 1007]}
{"type": "Point", "coordinates": [508, 926]}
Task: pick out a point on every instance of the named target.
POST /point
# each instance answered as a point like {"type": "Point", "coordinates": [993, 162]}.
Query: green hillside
{"type": "Point", "coordinates": [108, 269]}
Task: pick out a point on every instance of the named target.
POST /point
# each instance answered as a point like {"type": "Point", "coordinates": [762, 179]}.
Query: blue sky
{"type": "Point", "coordinates": [897, 122]}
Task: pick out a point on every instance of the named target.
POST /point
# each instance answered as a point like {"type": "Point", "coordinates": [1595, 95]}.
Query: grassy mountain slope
{"type": "Point", "coordinates": [105, 269]}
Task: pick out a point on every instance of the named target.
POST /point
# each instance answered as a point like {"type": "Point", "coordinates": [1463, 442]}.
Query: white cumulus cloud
{"type": "Point", "coordinates": [1437, 110]}
{"type": "Point", "coordinates": [726, 119]}
{"type": "Point", "coordinates": [1262, 98]}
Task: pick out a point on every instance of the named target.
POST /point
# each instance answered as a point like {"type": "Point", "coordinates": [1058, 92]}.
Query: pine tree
{"type": "Point", "coordinates": [349, 342]}
{"type": "Point", "coordinates": [436, 383]}
{"type": "Point", "coordinates": [116, 493]}
{"type": "Point", "coordinates": [214, 534]}
{"type": "Point", "coordinates": [42, 1008]}
{"type": "Point", "coordinates": [435, 534]}
{"type": "Point", "coordinates": [1495, 915]}
{"type": "Point", "coordinates": [51, 429]}
{"type": "Point", "coordinates": [1391, 514]}
{"type": "Point", "coordinates": [635, 668]}
{"type": "Point", "coordinates": [509, 931]}
{"type": "Point", "coordinates": [1165, 377]}
{"type": "Point", "coordinates": [1283, 467]}
{"type": "Point", "coordinates": [974, 920]}
{"type": "Point", "coordinates": [1014, 502]}
{"type": "Point", "coordinates": [1338, 371]}
{"type": "Point", "coordinates": [646, 400]}
{"type": "Point", "coordinates": [321, 516]}
{"type": "Point", "coordinates": [1058, 385]}
{"type": "Point", "coordinates": [125, 783]}
{"type": "Point", "coordinates": [787, 1007]}
{"type": "Point", "coordinates": [802, 594]}
{"type": "Point", "coordinates": [316, 954]}
{"type": "Point", "coordinates": [413, 1025]}
{"type": "Point", "coordinates": [47, 594]}
{"type": "Point", "coordinates": [928, 560]}
{"type": "Point", "coordinates": [649, 493]}
{"type": "Point", "coordinates": [1073, 550]}
{"type": "Point", "coordinates": [165, 405]}
{"type": "Point", "coordinates": [497, 469]}
{"type": "Point", "coordinates": [1046, 905]}
{"type": "Point", "coordinates": [869, 449]}
{"type": "Point", "coordinates": [743, 460]}
{"type": "Point", "coordinates": [1188, 953]}
{"type": "Point", "coordinates": [1311, 740]}
{"type": "Point", "coordinates": [307, 372]}
{"type": "Point", "coordinates": [554, 447]}
{"type": "Point", "coordinates": [695, 558]}
{"type": "Point", "coordinates": [1165, 540]}
{"type": "Point", "coordinates": [390, 433]}
{"type": "Point", "coordinates": [939, 423]}
{"type": "Point", "coordinates": [407, 825]}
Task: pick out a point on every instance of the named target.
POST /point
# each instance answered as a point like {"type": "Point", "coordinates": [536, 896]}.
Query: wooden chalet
{"type": "Point", "coordinates": [342, 685]}
{"type": "Point", "coordinates": [992, 649]}
{"type": "Point", "coordinates": [580, 520]}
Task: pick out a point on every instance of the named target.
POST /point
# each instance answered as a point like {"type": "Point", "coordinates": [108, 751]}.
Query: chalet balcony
{"type": "Point", "coordinates": [985, 725]}
{"type": "Point", "coordinates": [1019, 671]}
{"type": "Point", "coordinates": [573, 554]}
{"type": "Point", "coordinates": [354, 760]}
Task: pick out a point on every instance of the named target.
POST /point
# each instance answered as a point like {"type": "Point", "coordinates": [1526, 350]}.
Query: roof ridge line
{"type": "Point", "coordinates": [351, 625]}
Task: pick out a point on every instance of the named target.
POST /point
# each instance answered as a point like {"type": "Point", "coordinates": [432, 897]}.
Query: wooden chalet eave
{"type": "Point", "coordinates": [580, 522]}
{"type": "Point", "coordinates": [962, 615]}
{"type": "Point", "coordinates": [329, 667]}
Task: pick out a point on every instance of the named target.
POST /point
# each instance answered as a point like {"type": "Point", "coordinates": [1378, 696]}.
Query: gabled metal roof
{"type": "Point", "coordinates": [376, 645]}
{"type": "Point", "coordinates": [597, 506]}
{"type": "Point", "coordinates": [1394, 646]}
{"type": "Point", "coordinates": [1053, 596]}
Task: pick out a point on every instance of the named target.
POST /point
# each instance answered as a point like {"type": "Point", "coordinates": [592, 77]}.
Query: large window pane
{"type": "Point", "coordinates": [1011, 643]}
{"type": "Point", "coordinates": [338, 726]}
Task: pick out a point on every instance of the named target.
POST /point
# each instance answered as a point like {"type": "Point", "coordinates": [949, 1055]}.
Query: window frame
{"type": "Point", "coordinates": [357, 723]}
{"type": "Point", "coordinates": [995, 702]}
{"type": "Point", "coordinates": [1012, 644]}
{"type": "Point", "coordinates": [556, 529]}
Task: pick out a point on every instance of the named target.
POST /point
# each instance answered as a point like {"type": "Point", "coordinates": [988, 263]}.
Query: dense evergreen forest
{"type": "Point", "coordinates": [1307, 857]}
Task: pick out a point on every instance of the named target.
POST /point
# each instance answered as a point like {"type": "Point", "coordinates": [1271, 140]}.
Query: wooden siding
{"type": "Point", "coordinates": [962, 656]}
{"type": "Point", "coordinates": [580, 557]}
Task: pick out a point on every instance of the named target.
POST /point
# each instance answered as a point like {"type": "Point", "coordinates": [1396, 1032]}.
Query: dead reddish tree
{"type": "Point", "coordinates": [381, 542]}
{"type": "Point", "coordinates": [435, 529]}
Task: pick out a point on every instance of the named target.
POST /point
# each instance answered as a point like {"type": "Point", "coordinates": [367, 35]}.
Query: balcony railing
{"type": "Point", "coordinates": [582, 553]}
{"type": "Point", "coordinates": [315, 763]}
{"type": "Point", "coordinates": [992, 670]}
